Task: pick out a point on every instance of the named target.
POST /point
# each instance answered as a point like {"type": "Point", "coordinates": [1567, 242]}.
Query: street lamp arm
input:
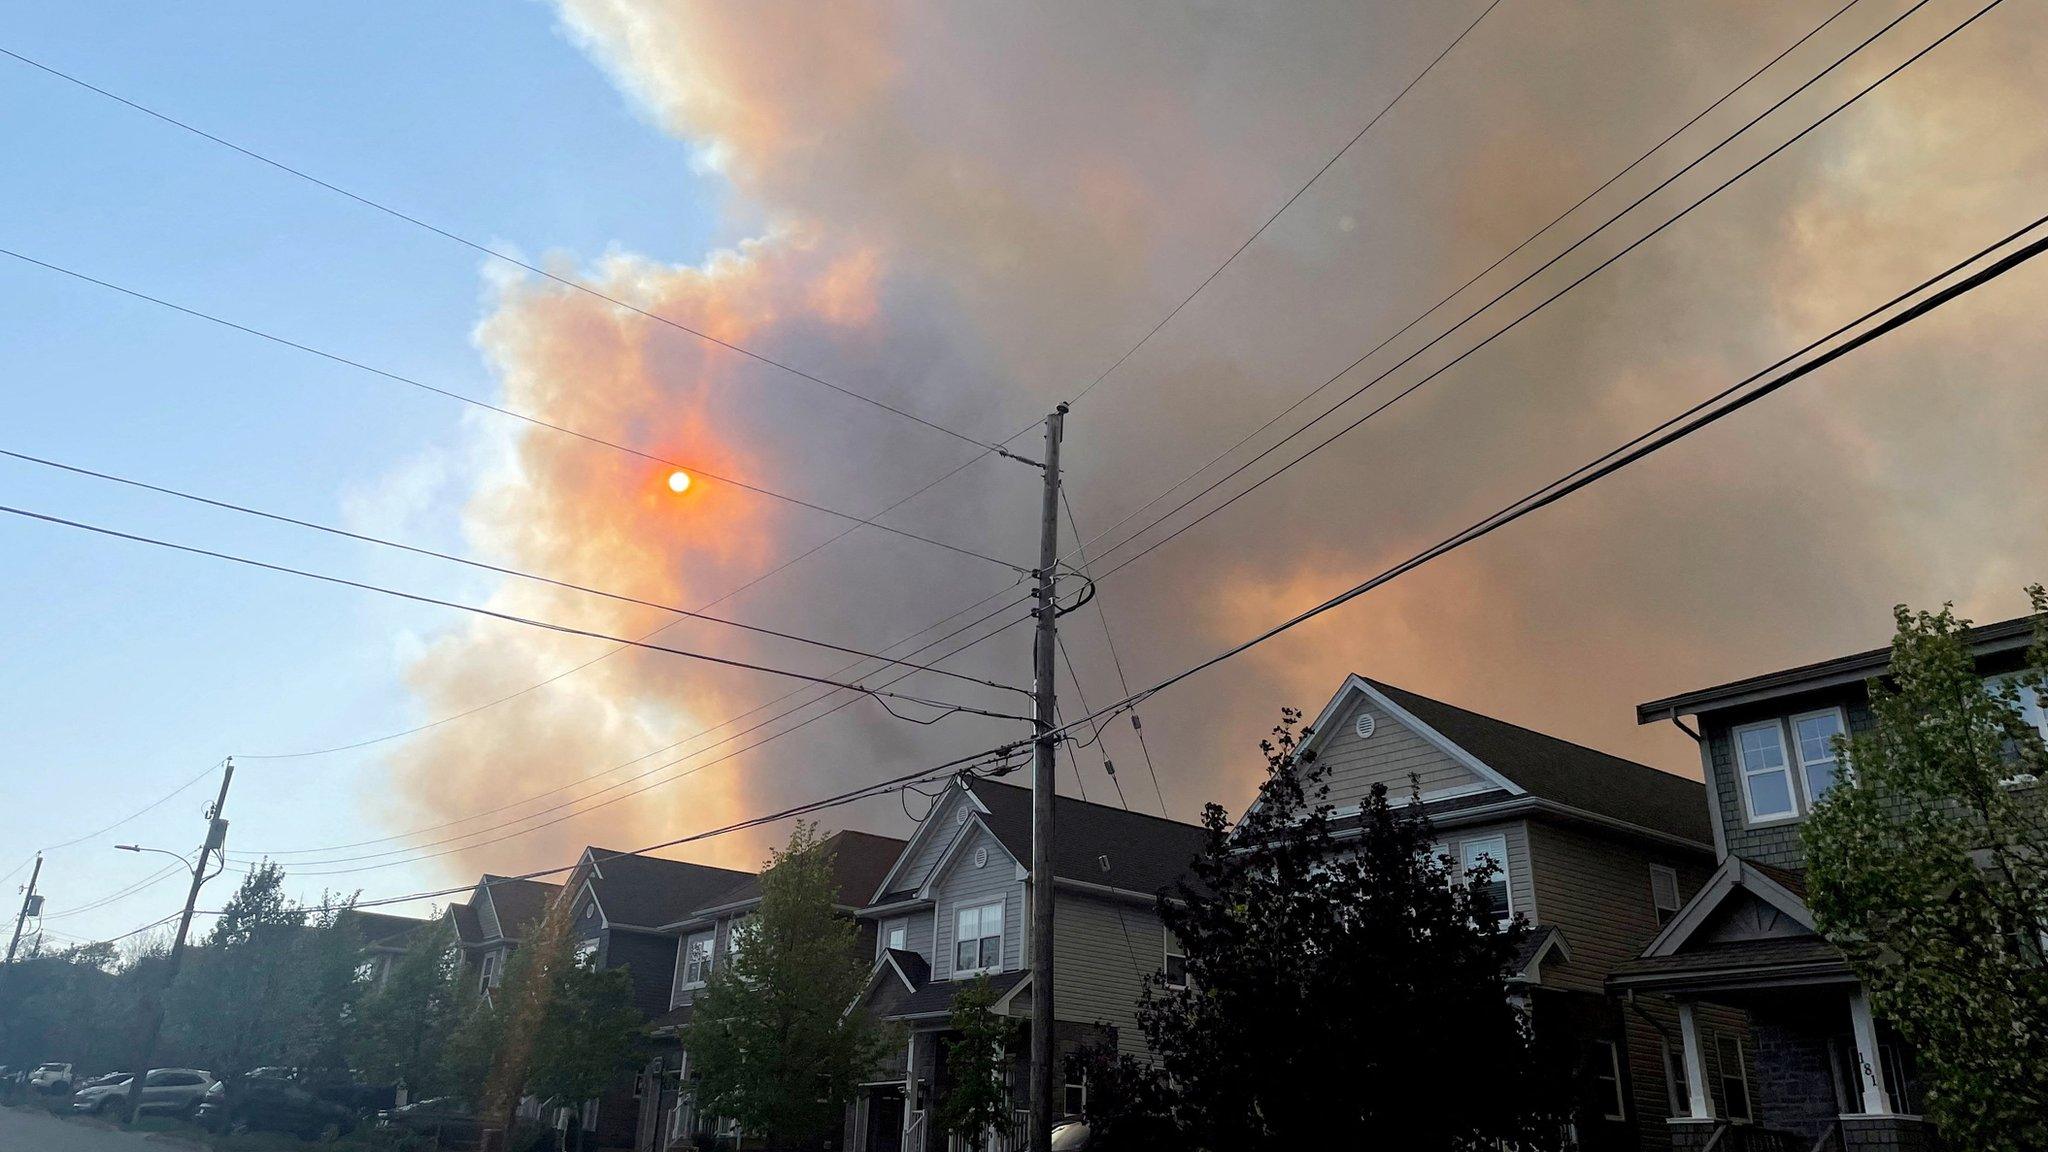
{"type": "Point", "coordinates": [178, 856]}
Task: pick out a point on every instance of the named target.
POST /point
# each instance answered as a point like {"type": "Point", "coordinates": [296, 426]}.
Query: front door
{"type": "Point", "coordinates": [885, 1120]}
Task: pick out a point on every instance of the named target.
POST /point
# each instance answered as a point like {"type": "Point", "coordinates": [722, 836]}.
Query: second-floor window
{"type": "Point", "coordinates": [896, 934]}
{"type": "Point", "coordinates": [1814, 735]}
{"type": "Point", "coordinates": [1780, 780]}
{"type": "Point", "coordinates": [1176, 970]}
{"type": "Point", "coordinates": [586, 954]}
{"type": "Point", "coordinates": [1492, 896]}
{"type": "Point", "coordinates": [1766, 774]}
{"type": "Point", "coordinates": [488, 979]}
{"type": "Point", "coordinates": [1664, 892]}
{"type": "Point", "coordinates": [978, 939]}
{"type": "Point", "coordinates": [697, 960]}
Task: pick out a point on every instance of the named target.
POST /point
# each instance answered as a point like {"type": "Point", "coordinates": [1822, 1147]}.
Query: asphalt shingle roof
{"type": "Point", "coordinates": [649, 892]}
{"type": "Point", "coordinates": [1147, 854]}
{"type": "Point", "coordinates": [520, 903]}
{"type": "Point", "coordinates": [1741, 954]}
{"type": "Point", "coordinates": [1567, 773]}
{"type": "Point", "coordinates": [382, 928]}
{"type": "Point", "coordinates": [936, 997]}
{"type": "Point", "coordinates": [859, 861]}
{"type": "Point", "coordinates": [467, 929]}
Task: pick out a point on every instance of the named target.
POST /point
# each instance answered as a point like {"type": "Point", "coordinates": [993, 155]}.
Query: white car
{"type": "Point", "coordinates": [171, 1090]}
{"type": "Point", "coordinates": [52, 1078]}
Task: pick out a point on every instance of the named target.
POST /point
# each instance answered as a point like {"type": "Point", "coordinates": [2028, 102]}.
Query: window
{"type": "Point", "coordinates": [737, 935]}
{"type": "Point", "coordinates": [1607, 1080]}
{"type": "Point", "coordinates": [2030, 705]}
{"type": "Point", "coordinates": [978, 939]}
{"type": "Point", "coordinates": [1176, 967]}
{"type": "Point", "coordinates": [697, 960]}
{"type": "Point", "coordinates": [896, 934]}
{"type": "Point", "coordinates": [489, 978]}
{"type": "Point", "coordinates": [1766, 776]}
{"type": "Point", "coordinates": [1076, 1098]}
{"type": "Point", "coordinates": [1493, 895]}
{"type": "Point", "coordinates": [1676, 1093]}
{"type": "Point", "coordinates": [1734, 1081]}
{"type": "Point", "coordinates": [586, 954]}
{"type": "Point", "coordinates": [1664, 893]}
{"type": "Point", "coordinates": [1813, 733]}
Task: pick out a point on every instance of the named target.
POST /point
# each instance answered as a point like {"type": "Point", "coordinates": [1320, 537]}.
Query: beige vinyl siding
{"type": "Point", "coordinates": [1596, 888]}
{"type": "Point", "coordinates": [1098, 969]}
{"type": "Point", "coordinates": [1393, 754]}
{"type": "Point", "coordinates": [1523, 898]}
{"type": "Point", "coordinates": [963, 885]}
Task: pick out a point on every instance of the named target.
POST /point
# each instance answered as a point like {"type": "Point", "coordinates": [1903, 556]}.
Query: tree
{"type": "Point", "coordinates": [591, 1034]}
{"type": "Point", "coordinates": [1928, 871]}
{"type": "Point", "coordinates": [770, 1031]}
{"type": "Point", "coordinates": [403, 1027]}
{"type": "Point", "coordinates": [1340, 994]}
{"type": "Point", "coordinates": [978, 1100]}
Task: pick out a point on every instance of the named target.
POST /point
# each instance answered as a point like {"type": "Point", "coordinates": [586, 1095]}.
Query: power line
{"type": "Point", "coordinates": [946, 707]}
{"type": "Point", "coordinates": [487, 250]}
{"type": "Point", "coordinates": [488, 567]}
{"type": "Point", "coordinates": [1298, 192]}
{"type": "Point", "coordinates": [146, 882]}
{"type": "Point", "coordinates": [138, 813]}
{"type": "Point", "coordinates": [1675, 428]}
{"type": "Point", "coordinates": [486, 405]}
{"type": "Point", "coordinates": [1544, 303]}
{"type": "Point", "coordinates": [1116, 660]}
{"type": "Point", "coordinates": [1484, 272]}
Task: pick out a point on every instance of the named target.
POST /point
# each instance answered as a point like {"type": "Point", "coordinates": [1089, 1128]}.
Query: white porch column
{"type": "Point", "coordinates": [1869, 1062]}
{"type": "Point", "coordinates": [1700, 1105]}
{"type": "Point", "coordinates": [910, 1082]}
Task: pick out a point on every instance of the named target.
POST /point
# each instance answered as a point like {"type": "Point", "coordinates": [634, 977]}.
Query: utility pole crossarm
{"type": "Point", "coordinates": [1047, 612]}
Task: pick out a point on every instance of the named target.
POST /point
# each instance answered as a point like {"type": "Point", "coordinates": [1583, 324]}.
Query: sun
{"type": "Point", "coordinates": [679, 481]}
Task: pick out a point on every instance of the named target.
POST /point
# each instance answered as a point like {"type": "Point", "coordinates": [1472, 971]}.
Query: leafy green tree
{"type": "Point", "coordinates": [1341, 993]}
{"type": "Point", "coordinates": [770, 1032]}
{"type": "Point", "coordinates": [591, 1033]}
{"type": "Point", "coordinates": [402, 1028]}
{"type": "Point", "coordinates": [471, 1053]}
{"type": "Point", "coordinates": [978, 1100]}
{"type": "Point", "coordinates": [1928, 871]}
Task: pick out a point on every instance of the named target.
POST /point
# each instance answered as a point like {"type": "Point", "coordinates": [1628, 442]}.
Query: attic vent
{"type": "Point", "coordinates": [1366, 724]}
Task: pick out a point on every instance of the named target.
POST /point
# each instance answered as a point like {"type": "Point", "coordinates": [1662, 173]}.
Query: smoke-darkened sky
{"type": "Point", "coordinates": [969, 212]}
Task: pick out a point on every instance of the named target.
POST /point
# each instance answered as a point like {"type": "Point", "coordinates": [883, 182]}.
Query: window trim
{"type": "Point", "coordinates": [1722, 1041]}
{"type": "Point", "coordinates": [1506, 876]}
{"type": "Point", "coordinates": [709, 937]}
{"type": "Point", "coordinates": [890, 926]}
{"type": "Point", "coordinates": [1795, 756]}
{"type": "Point", "coordinates": [1620, 1097]}
{"type": "Point", "coordinates": [1169, 948]}
{"type": "Point", "coordinates": [1793, 789]}
{"type": "Point", "coordinates": [1675, 1087]}
{"type": "Point", "coordinates": [1002, 906]}
{"type": "Point", "coordinates": [1677, 894]}
{"type": "Point", "coordinates": [487, 972]}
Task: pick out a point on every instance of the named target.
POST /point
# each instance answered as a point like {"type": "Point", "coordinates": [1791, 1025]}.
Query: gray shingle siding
{"type": "Point", "coordinates": [1390, 757]}
{"type": "Point", "coordinates": [964, 885]}
{"type": "Point", "coordinates": [1777, 843]}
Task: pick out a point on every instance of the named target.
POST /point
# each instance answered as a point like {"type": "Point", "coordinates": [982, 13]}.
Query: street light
{"type": "Point", "coordinates": [216, 841]}
{"type": "Point", "coordinates": [178, 856]}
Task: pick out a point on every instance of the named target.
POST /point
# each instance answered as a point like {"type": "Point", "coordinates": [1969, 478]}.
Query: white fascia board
{"type": "Point", "coordinates": [1733, 873]}
{"type": "Point", "coordinates": [1442, 742]}
{"type": "Point", "coordinates": [960, 838]}
{"type": "Point", "coordinates": [924, 832]}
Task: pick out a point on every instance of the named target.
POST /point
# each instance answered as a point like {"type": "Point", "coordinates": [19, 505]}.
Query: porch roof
{"type": "Point", "coordinates": [936, 998]}
{"type": "Point", "coordinates": [1743, 964]}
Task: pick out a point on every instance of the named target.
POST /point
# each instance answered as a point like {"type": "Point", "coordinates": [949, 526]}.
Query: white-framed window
{"type": "Point", "coordinates": [1607, 1080]}
{"type": "Point", "coordinates": [1676, 1092]}
{"type": "Point", "coordinates": [1734, 1076]}
{"type": "Point", "coordinates": [896, 934]}
{"type": "Point", "coordinates": [586, 953]}
{"type": "Point", "coordinates": [1664, 892]}
{"type": "Point", "coordinates": [978, 939]}
{"type": "Point", "coordinates": [487, 978]}
{"type": "Point", "coordinates": [1076, 1097]}
{"type": "Point", "coordinates": [1492, 896]}
{"type": "Point", "coordinates": [737, 934]}
{"type": "Point", "coordinates": [1175, 969]}
{"type": "Point", "coordinates": [2031, 708]}
{"type": "Point", "coordinates": [1766, 772]}
{"type": "Point", "coordinates": [697, 959]}
{"type": "Point", "coordinates": [1813, 740]}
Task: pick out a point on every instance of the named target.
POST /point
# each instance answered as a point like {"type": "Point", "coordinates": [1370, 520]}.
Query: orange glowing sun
{"type": "Point", "coordinates": [679, 481]}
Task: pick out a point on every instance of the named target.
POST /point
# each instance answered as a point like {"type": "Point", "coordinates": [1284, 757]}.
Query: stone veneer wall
{"type": "Point", "coordinates": [1793, 1081]}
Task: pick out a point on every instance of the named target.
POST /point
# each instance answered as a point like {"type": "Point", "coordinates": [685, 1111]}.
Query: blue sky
{"type": "Point", "coordinates": [128, 669]}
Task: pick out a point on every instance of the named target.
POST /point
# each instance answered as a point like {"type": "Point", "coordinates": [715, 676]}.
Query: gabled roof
{"type": "Point", "coordinates": [935, 999]}
{"type": "Point", "coordinates": [521, 904]}
{"type": "Point", "coordinates": [859, 861]}
{"type": "Point", "coordinates": [650, 892]}
{"type": "Point", "coordinates": [1781, 890]}
{"type": "Point", "coordinates": [1983, 640]}
{"type": "Point", "coordinates": [1538, 947]}
{"type": "Point", "coordinates": [467, 929]}
{"type": "Point", "coordinates": [1145, 854]}
{"type": "Point", "coordinates": [382, 930]}
{"type": "Point", "coordinates": [1562, 772]}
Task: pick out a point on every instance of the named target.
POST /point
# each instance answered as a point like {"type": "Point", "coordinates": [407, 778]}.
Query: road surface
{"type": "Point", "coordinates": [33, 1130]}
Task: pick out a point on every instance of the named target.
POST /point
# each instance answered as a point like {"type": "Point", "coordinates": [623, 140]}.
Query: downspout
{"type": "Point", "coordinates": [1713, 789]}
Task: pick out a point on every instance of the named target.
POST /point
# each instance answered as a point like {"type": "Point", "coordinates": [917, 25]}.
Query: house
{"type": "Point", "coordinates": [858, 861]}
{"type": "Point", "coordinates": [1823, 1068]}
{"type": "Point", "coordinates": [384, 938]}
{"type": "Point", "coordinates": [500, 912]}
{"type": "Point", "coordinates": [1595, 852]}
{"type": "Point", "coordinates": [953, 906]}
{"type": "Point", "coordinates": [621, 911]}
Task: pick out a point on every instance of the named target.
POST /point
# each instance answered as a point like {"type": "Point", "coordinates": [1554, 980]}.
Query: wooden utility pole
{"type": "Point", "coordinates": [28, 901]}
{"type": "Point", "coordinates": [1047, 613]}
{"type": "Point", "coordinates": [216, 841]}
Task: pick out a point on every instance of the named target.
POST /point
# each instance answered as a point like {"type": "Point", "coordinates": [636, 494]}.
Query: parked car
{"type": "Point", "coordinates": [274, 1100]}
{"type": "Point", "coordinates": [1070, 1134]}
{"type": "Point", "coordinates": [50, 1078]}
{"type": "Point", "coordinates": [446, 1118]}
{"type": "Point", "coordinates": [175, 1091]}
{"type": "Point", "coordinates": [101, 1094]}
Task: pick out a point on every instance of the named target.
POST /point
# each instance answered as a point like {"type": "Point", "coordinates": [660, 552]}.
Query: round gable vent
{"type": "Point", "coordinates": [981, 857]}
{"type": "Point", "coordinates": [1366, 724]}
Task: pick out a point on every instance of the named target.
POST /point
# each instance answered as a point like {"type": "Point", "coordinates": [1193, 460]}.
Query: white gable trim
{"type": "Point", "coordinates": [1004, 1002]}
{"type": "Point", "coordinates": [1553, 944]}
{"type": "Point", "coordinates": [604, 920]}
{"type": "Point", "coordinates": [1733, 873]}
{"type": "Point", "coordinates": [924, 833]}
{"type": "Point", "coordinates": [484, 887]}
{"type": "Point", "coordinates": [960, 838]}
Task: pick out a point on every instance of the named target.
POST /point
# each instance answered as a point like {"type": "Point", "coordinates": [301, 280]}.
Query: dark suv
{"type": "Point", "coordinates": [274, 1100]}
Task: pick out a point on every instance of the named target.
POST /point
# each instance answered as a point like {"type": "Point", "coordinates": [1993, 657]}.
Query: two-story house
{"type": "Point", "coordinates": [384, 938]}
{"type": "Point", "coordinates": [954, 905]}
{"type": "Point", "coordinates": [1594, 851]}
{"type": "Point", "coordinates": [1824, 1068]}
{"type": "Point", "coordinates": [621, 907]}
{"type": "Point", "coordinates": [857, 862]}
{"type": "Point", "coordinates": [500, 912]}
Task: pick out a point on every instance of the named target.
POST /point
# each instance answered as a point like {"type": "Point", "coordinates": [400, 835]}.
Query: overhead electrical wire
{"type": "Point", "coordinates": [1116, 660]}
{"type": "Point", "coordinates": [513, 413]}
{"type": "Point", "coordinates": [497, 568]}
{"type": "Point", "coordinates": [1481, 274]}
{"type": "Point", "coordinates": [150, 881]}
{"type": "Point", "coordinates": [509, 617]}
{"type": "Point", "coordinates": [1733, 399]}
{"type": "Point", "coordinates": [1511, 325]}
{"type": "Point", "coordinates": [487, 250]}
